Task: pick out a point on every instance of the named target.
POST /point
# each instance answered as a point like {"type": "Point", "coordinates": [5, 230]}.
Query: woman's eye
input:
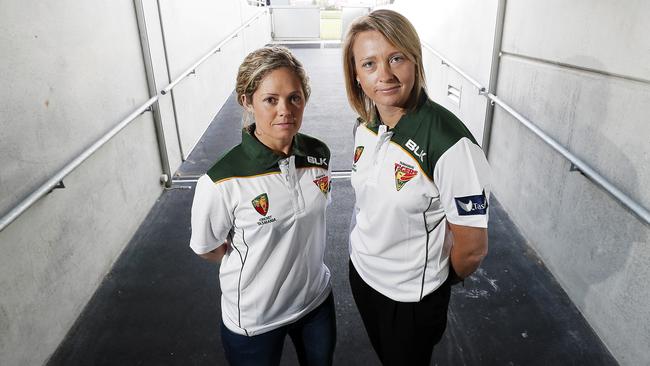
{"type": "Point", "coordinates": [367, 64]}
{"type": "Point", "coordinates": [270, 100]}
{"type": "Point", "coordinates": [296, 98]}
{"type": "Point", "coordinates": [397, 58]}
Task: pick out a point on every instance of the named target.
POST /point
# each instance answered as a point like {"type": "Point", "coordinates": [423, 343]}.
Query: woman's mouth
{"type": "Point", "coordinates": [389, 90]}
{"type": "Point", "coordinates": [286, 123]}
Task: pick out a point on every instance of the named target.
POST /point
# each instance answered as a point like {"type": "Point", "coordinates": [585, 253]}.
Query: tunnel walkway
{"type": "Point", "coordinates": [159, 305]}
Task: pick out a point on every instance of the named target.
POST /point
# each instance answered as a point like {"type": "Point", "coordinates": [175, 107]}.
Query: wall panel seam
{"type": "Point", "coordinates": [575, 67]}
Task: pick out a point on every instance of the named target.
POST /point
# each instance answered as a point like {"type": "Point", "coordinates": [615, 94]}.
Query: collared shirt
{"type": "Point", "coordinates": [272, 208]}
{"type": "Point", "coordinates": [409, 182]}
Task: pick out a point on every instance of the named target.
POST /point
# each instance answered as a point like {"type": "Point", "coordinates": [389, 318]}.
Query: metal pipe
{"type": "Point", "coordinates": [494, 73]}
{"type": "Point", "coordinates": [58, 177]}
{"type": "Point", "coordinates": [272, 23]}
{"type": "Point", "coordinates": [336, 174]}
{"type": "Point", "coordinates": [640, 211]}
{"type": "Point", "coordinates": [214, 50]}
{"type": "Point", "coordinates": [637, 209]}
{"type": "Point", "coordinates": [446, 61]}
{"type": "Point", "coordinates": [164, 42]}
{"type": "Point", "coordinates": [153, 90]}
{"type": "Point", "coordinates": [341, 174]}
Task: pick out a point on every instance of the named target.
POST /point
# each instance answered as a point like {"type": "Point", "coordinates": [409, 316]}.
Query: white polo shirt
{"type": "Point", "coordinates": [409, 182]}
{"type": "Point", "coordinates": [273, 211]}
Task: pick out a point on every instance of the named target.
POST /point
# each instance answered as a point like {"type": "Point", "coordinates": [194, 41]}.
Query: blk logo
{"type": "Point", "coordinates": [417, 150]}
{"type": "Point", "coordinates": [316, 161]}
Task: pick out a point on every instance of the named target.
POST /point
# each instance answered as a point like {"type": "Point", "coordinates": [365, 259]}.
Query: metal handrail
{"type": "Point", "coordinates": [576, 162]}
{"type": "Point", "coordinates": [336, 174]}
{"type": "Point", "coordinates": [58, 177]}
{"type": "Point", "coordinates": [217, 48]}
{"type": "Point", "coordinates": [445, 61]}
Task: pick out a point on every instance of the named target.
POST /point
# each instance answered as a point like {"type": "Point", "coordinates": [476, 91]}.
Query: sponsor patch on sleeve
{"type": "Point", "coordinates": [472, 205]}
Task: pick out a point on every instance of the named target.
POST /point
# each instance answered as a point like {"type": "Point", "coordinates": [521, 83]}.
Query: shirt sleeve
{"type": "Point", "coordinates": [462, 175]}
{"type": "Point", "coordinates": [212, 220]}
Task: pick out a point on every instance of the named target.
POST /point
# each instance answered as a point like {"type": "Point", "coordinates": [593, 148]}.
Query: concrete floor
{"type": "Point", "coordinates": [159, 305]}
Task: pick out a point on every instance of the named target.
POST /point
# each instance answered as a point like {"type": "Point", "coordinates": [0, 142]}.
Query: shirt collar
{"type": "Point", "coordinates": [262, 154]}
{"type": "Point", "coordinates": [410, 121]}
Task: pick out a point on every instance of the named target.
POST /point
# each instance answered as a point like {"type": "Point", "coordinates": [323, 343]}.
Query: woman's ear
{"type": "Point", "coordinates": [248, 106]}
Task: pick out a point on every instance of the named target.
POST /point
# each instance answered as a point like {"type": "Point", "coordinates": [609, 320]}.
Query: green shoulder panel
{"type": "Point", "coordinates": [434, 130]}
{"type": "Point", "coordinates": [311, 152]}
{"type": "Point", "coordinates": [236, 163]}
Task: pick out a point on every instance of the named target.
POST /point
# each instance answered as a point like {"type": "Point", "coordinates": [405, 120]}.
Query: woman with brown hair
{"type": "Point", "coordinates": [422, 186]}
{"type": "Point", "coordinates": [260, 210]}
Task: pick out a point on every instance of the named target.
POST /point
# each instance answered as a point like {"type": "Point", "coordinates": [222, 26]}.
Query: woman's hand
{"type": "Point", "coordinates": [469, 248]}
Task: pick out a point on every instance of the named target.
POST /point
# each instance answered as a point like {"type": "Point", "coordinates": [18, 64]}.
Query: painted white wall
{"type": "Point", "coordinates": [462, 31]}
{"type": "Point", "coordinates": [191, 30]}
{"type": "Point", "coordinates": [597, 250]}
{"type": "Point", "coordinates": [296, 22]}
{"type": "Point", "coordinates": [349, 14]}
{"type": "Point", "coordinates": [255, 36]}
{"type": "Point", "coordinates": [71, 70]}
{"type": "Point", "coordinates": [612, 33]}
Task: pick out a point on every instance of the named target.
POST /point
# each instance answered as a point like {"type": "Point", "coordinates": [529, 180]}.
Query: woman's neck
{"type": "Point", "coordinates": [390, 115]}
{"type": "Point", "coordinates": [282, 148]}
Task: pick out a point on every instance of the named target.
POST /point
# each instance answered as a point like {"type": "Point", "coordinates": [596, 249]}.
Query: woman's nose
{"type": "Point", "coordinates": [385, 73]}
{"type": "Point", "coordinates": [283, 107]}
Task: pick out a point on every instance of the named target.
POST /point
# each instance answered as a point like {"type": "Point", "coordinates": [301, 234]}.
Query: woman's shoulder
{"type": "Point", "coordinates": [444, 124]}
{"type": "Point", "coordinates": [312, 146]}
{"type": "Point", "coordinates": [228, 165]}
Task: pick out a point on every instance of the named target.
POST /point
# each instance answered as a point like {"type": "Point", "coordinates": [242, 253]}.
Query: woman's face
{"type": "Point", "coordinates": [278, 105]}
{"type": "Point", "coordinates": [385, 74]}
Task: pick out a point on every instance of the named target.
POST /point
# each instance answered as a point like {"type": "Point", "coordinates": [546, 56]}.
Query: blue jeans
{"type": "Point", "coordinates": [313, 335]}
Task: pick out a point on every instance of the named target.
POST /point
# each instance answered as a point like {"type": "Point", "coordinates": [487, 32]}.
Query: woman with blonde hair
{"type": "Point", "coordinates": [422, 186]}
{"type": "Point", "coordinates": [260, 210]}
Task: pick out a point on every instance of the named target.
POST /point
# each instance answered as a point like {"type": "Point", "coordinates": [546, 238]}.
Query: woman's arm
{"type": "Point", "coordinates": [216, 254]}
{"type": "Point", "coordinates": [469, 248]}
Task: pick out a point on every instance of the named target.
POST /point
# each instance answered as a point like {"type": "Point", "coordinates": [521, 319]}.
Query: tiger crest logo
{"type": "Point", "coordinates": [323, 183]}
{"type": "Point", "coordinates": [357, 153]}
{"type": "Point", "coordinates": [403, 174]}
{"type": "Point", "coordinates": [261, 204]}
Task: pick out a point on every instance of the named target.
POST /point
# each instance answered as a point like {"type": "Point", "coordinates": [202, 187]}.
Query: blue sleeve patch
{"type": "Point", "coordinates": [472, 205]}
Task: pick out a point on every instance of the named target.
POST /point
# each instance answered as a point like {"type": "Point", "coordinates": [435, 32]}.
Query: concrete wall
{"type": "Point", "coordinates": [70, 71]}
{"type": "Point", "coordinates": [65, 82]}
{"type": "Point", "coordinates": [581, 71]}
